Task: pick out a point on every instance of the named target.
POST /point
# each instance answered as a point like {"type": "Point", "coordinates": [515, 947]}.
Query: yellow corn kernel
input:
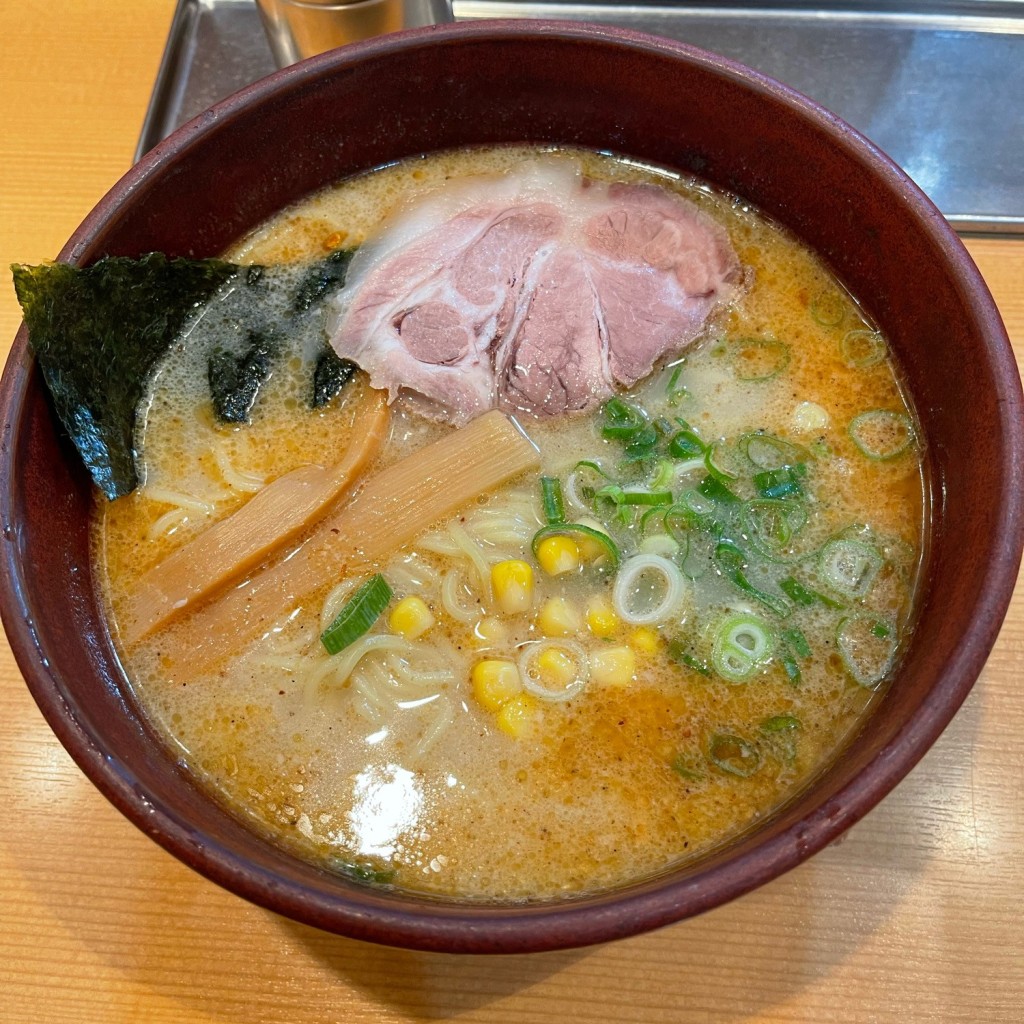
{"type": "Point", "coordinates": [559, 617]}
{"type": "Point", "coordinates": [517, 715]}
{"type": "Point", "coordinates": [613, 666]}
{"type": "Point", "coordinates": [601, 618]}
{"type": "Point", "coordinates": [495, 683]}
{"type": "Point", "coordinates": [645, 640]}
{"type": "Point", "coordinates": [490, 630]}
{"type": "Point", "coordinates": [512, 582]}
{"type": "Point", "coordinates": [555, 668]}
{"type": "Point", "coordinates": [411, 617]}
{"type": "Point", "coordinates": [558, 554]}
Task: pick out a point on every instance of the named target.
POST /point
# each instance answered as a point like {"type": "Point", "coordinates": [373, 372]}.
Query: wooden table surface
{"type": "Point", "coordinates": [913, 917]}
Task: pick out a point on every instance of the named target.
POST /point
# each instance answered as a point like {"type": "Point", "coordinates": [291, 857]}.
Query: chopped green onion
{"type": "Point", "coordinates": [732, 562]}
{"type": "Point", "coordinates": [617, 496]}
{"type": "Point", "coordinates": [686, 445]}
{"type": "Point", "coordinates": [622, 420]}
{"type": "Point", "coordinates": [680, 651]}
{"type": "Point", "coordinates": [551, 499]}
{"type": "Point", "coordinates": [642, 444]}
{"type": "Point", "coordinates": [793, 645]}
{"type": "Point", "coordinates": [690, 661]}
{"type": "Point", "coordinates": [632, 496]}
{"type": "Point", "coordinates": [650, 516]}
{"type": "Point", "coordinates": [758, 359]}
{"type": "Point", "coordinates": [784, 482]}
{"type": "Point", "coordinates": [590, 464]}
{"type": "Point", "coordinates": [357, 615]}
{"type": "Point", "coordinates": [714, 462]}
{"type": "Point", "coordinates": [796, 639]}
{"type": "Point", "coordinates": [742, 643]}
{"type": "Point", "coordinates": [790, 667]}
{"type": "Point", "coordinates": [680, 520]}
{"type": "Point", "coordinates": [880, 434]}
{"type": "Point", "coordinates": [849, 566]}
{"type": "Point", "coordinates": [799, 594]}
{"type": "Point", "coordinates": [713, 488]}
{"type": "Point", "coordinates": [676, 391]}
{"type": "Point", "coordinates": [766, 451]}
{"type": "Point", "coordinates": [609, 560]}
{"type": "Point", "coordinates": [772, 523]}
{"type": "Point", "coordinates": [866, 650]}
{"type": "Point", "coordinates": [861, 349]}
{"type": "Point", "coordinates": [664, 476]}
{"type": "Point", "coordinates": [648, 590]}
{"type": "Point", "coordinates": [612, 492]}
{"type": "Point", "coordinates": [582, 483]}
{"type": "Point", "coordinates": [733, 755]}
{"type": "Point", "coordinates": [828, 308]}
{"type": "Point", "coordinates": [687, 769]}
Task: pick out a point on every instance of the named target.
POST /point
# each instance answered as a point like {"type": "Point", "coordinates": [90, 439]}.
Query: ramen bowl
{"type": "Point", "coordinates": [540, 82]}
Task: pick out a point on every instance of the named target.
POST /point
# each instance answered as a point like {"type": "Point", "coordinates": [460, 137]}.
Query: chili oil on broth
{"type": "Point", "coordinates": [409, 779]}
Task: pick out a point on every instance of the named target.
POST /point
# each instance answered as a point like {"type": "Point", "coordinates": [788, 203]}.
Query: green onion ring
{"type": "Point", "coordinates": [880, 434]}
{"type": "Point", "coordinates": [357, 614]}
{"type": "Point", "coordinates": [733, 755]}
{"type": "Point", "coordinates": [861, 349]}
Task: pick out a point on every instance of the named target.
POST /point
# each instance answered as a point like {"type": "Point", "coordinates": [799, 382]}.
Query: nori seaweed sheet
{"type": "Point", "coordinates": [235, 380]}
{"type": "Point", "coordinates": [99, 332]}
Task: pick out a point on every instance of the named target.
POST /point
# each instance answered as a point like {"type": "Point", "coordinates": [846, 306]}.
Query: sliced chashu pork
{"type": "Point", "coordinates": [539, 292]}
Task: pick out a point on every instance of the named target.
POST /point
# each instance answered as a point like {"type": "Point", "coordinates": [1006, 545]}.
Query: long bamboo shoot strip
{"type": "Point", "coordinates": [271, 518]}
{"type": "Point", "coordinates": [392, 508]}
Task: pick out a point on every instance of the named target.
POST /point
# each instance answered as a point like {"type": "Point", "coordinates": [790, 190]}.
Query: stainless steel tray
{"type": "Point", "coordinates": [939, 86]}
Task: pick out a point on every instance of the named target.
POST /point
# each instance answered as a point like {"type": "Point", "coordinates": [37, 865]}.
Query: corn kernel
{"type": "Point", "coordinates": [645, 640]}
{"type": "Point", "coordinates": [411, 618]}
{"type": "Point", "coordinates": [490, 631]}
{"type": "Point", "coordinates": [559, 617]}
{"type": "Point", "coordinates": [613, 666]}
{"type": "Point", "coordinates": [555, 668]}
{"type": "Point", "coordinates": [512, 582]}
{"type": "Point", "coordinates": [601, 618]}
{"type": "Point", "coordinates": [495, 683]}
{"type": "Point", "coordinates": [516, 717]}
{"type": "Point", "coordinates": [558, 555]}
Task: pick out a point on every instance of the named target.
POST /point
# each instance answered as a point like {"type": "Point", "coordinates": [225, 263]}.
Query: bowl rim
{"type": "Point", "coordinates": [461, 927]}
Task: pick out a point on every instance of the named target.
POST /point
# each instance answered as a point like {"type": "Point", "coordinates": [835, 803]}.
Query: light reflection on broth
{"type": "Point", "coordinates": [400, 773]}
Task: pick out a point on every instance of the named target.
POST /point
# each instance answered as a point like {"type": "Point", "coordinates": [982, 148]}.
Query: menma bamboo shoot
{"type": "Point", "coordinates": [390, 509]}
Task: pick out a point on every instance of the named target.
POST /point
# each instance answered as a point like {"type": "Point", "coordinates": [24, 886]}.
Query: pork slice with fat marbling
{"type": "Point", "coordinates": [540, 292]}
{"type": "Point", "coordinates": [424, 319]}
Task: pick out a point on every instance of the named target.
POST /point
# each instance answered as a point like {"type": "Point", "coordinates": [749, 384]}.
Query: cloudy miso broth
{"type": "Point", "coordinates": [719, 572]}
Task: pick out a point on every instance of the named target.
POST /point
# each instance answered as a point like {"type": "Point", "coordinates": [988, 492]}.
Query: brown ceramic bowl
{"type": "Point", "coordinates": [544, 82]}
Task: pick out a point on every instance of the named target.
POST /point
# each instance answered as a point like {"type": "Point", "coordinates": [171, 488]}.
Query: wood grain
{"type": "Point", "coordinates": [912, 917]}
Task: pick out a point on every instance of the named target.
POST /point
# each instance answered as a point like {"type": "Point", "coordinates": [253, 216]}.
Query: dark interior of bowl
{"type": "Point", "coordinates": [504, 82]}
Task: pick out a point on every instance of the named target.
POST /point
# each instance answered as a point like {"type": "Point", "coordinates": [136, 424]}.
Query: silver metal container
{"type": "Point", "coordinates": [301, 28]}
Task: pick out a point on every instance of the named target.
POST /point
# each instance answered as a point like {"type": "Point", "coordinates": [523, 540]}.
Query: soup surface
{"type": "Point", "coordinates": [719, 570]}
